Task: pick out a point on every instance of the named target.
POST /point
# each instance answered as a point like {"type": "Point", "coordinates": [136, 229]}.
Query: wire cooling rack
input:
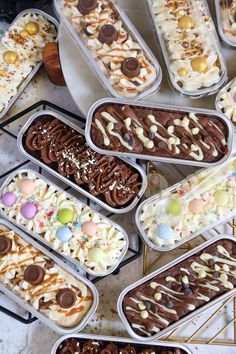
{"type": "Point", "coordinates": [196, 337]}
{"type": "Point", "coordinates": [6, 128]}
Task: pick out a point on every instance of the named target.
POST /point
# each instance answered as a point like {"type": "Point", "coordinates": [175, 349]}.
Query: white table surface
{"type": "Point", "coordinates": [16, 338]}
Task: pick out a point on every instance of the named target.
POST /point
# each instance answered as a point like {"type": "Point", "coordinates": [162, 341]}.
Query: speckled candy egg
{"type": "Point", "coordinates": [64, 234]}
{"type": "Point", "coordinates": [27, 186]}
{"type": "Point", "coordinates": [174, 207]}
{"type": "Point", "coordinates": [65, 216]}
{"type": "Point", "coordinates": [29, 210]}
{"type": "Point", "coordinates": [96, 255]}
{"type": "Point", "coordinates": [8, 199]}
{"type": "Point", "coordinates": [164, 232]}
{"type": "Point", "coordinates": [221, 198]}
{"type": "Point", "coordinates": [196, 206]}
{"type": "Point", "coordinates": [89, 228]}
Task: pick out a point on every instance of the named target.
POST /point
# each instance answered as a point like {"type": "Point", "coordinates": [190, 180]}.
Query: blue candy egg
{"type": "Point", "coordinates": [164, 232]}
{"type": "Point", "coordinates": [64, 234]}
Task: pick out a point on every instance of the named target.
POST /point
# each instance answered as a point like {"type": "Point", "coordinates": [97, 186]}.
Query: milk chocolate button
{"type": "Point", "coordinates": [86, 6]}
{"type": "Point", "coordinates": [108, 34]}
{"type": "Point", "coordinates": [66, 298]}
{"type": "Point", "coordinates": [5, 245]}
{"type": "Point", "coordinates": [130, 67]}
{"type": "Point", "coordinates": [34, 274]}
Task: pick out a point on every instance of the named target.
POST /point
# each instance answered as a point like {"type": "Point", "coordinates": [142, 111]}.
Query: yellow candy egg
{"type": "Point", "coordinates": [186, 22]}
{"type": "Point", "coordinates": [24, 34]}
{"type": "Point", "coordinates": [32, 27]}
{"type": "Point", "coordinates": [10, 57]}
{"type": "Point", "coordinates": [182, 72]}
{"type": "Point", "coordinates": [199, 64]}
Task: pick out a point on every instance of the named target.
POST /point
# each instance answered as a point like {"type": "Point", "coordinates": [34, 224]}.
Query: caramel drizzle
{"type": "Point", "coordinates": [92, 21]}
{"type": "Point", "coordinates": [46, 287]}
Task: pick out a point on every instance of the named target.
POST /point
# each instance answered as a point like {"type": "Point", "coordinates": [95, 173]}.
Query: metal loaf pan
{"type": "Point", "coordinates": [197, 93]}
{"type": "Point", "coordinates": [102, 77]}
{"type": "Point", "coordinates": [30, 308]}
{"type": "Point", "coordinates": [114, 101]}
{"type": "Point", "coordinates": [33, 119]}
{"type": "Point", "coordinates": [179, 243]}
{"type": "Point", "coordinates": [100, 338]}
{"type": "Point", "coordinates": [42, 239]}
{"type": "Point", "coordinates": [226, 40]}
{"type": "Point", "coordinates": [36, 68]}
{"type": "Point", "coordinates": [161, 270]}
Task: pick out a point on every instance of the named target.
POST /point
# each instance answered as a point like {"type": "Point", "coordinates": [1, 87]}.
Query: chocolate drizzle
{"type": "Point", "coordinates": [81, 346]}
{"type": "Point", "coordinates": [180, 290]}
{"type": "Point", "coordinates": [66, 151]}
{"type": "Point", "coordinates": [159, 132]}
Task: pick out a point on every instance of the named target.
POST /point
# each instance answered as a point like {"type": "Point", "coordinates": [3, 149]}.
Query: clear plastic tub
{"type": "Point", "coordinates": [60, 221]}
{"type": "Point", "coordinates": [66, 271]}
{"type": "Point", "coordinates": [189, 208]}
{"type": "Point", "coordinates": [171, 294]}
{"type": "Point", "coordinates": [50, 168]}
{"type": "Point", "coordinates": [115, 127]}
{"type": "Point", "coordinates": [190, 46]}
{"type": "Point", "coordinates": [226, 101]}
{"type": "Point", "coordinates": [226, 20]}
{"type": "Point", "coordinates": [32, 67]}
{"type": "Point", "coordinates": [157, 348]}
{"type": "Point", "coordinates": [109, 59]}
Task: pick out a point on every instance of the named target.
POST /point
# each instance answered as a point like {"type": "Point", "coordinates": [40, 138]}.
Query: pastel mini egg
{"type": "Point", "coordinates": [29, 210]}
{"type": "Point", "coordinates": [8, 199]}
{"type": "Point", "coordinates": [196, 206]}
{"type": "Point", "coordinates": [64, 234]}
{"type": "Point", "coordinates": [96, 255]}
{"type": "Point", "coordinates": [89, 228]}
{"type": "Point", "coordinates": [221, 198]}
{"type": "Point", "coordinates": [65, 216]}
{"type": "Point", "coordinates": [174, 207]}
{"type": "Point", "coordinates": [164, 232]}
{"type": "Point", "coordinates": [27, 186]}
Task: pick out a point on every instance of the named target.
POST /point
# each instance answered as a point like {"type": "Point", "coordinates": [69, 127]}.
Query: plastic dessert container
{"type": "Point", "coordinates": [124, 128]}
{"type": "Point", "coordinates": [186, 285]}
{"type": "Point", "coordinates": [189, 26]}
{"type": "Point", "coordinates": [67, 270]}
{"type": "Point", "coordinates": [53, 170]}
{"type": "Point", "coordinates": [99, 49]}
{"type": "Point", "coordinates": [226, 21]}
{"type": "Point", "coordinates": [226, 101]}
{"type": "Point", "coordinates": [158, 348]}
{"type": "Point", "coordinates": [71, 228]}
{"type": "Point", "coordinates": [32, 66]}
{"type": "Point", "coordinates": [184, 211]}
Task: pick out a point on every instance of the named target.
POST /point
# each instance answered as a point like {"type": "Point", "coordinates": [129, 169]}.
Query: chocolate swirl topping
{"type": "Point", "coordinates": [159, 132]}
{"type": "Point", "coordinates": [176, 292]}
{"type": "Point", "coordinates": [65, 151]}
{"type": "Point", "coordinates": [81, 346]}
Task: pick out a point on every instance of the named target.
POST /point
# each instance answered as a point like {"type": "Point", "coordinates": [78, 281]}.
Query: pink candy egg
{"type": "Point", "coordinates": [29, 210]}
{"type": "Point", "coordinates": [27, 186]}
{"type": "Point", "coordinates": [196, 206]}
{"type": "Point", "coordinates": [89, 228]}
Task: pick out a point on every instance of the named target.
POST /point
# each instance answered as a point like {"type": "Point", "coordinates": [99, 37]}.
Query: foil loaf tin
{"type": "Point", "coordinates": [93, 63]}
{"type": "Point", "coordinates": [184, 319]}
{"type": "Point", "coordinates": [167, 108]}
{"type": "Point", "coordinates": [119, 210]}
{"type": "Point", "coordinates": [54, 326]}
{"type": "Point", "coordinates": [27, 80]}
{"type": "Point", "coordinates": [48, 244]}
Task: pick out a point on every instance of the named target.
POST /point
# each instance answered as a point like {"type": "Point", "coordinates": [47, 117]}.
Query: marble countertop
{"type": "Point", "coordinates": [36, 338]}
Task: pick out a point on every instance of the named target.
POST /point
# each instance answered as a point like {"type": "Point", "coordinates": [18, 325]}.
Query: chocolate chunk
{"type": "Point", "coordinates": [108, 34]}
{"type": "Point", "coordinates": [86, 6]}
{"type": "Point", "coordinates": [5, 245]}
{"type": "Point", "coordinates": [130, 67]}
{"type": "Point", "coordinates": [169, 304]}
{"type": "Point", "coordinates": [188, 292]}
{"type": "Point", "coordinates": [147, 304]}
{"type": "Point", "coordinates": [66, 298]}
{"type": "Point", "coordinates": [216, 274]}
{"type": "Point", "coordinates": [186, 286]}
{"type": "Point", "coordinates": [127, 137]}
{"type": "Point", "coordinates": [211, 263]}
{"type": "Point", "coordinates": [151, 135]}
{"type": "Point", "coordinates": [34, 274]}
